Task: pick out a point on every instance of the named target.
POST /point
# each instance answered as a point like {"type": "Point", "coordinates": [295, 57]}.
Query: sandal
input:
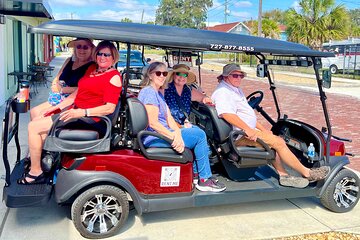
{"type": "Point", "coordinates": [37, 179]}
{"type": "Point", "coordinates": [27, 164]}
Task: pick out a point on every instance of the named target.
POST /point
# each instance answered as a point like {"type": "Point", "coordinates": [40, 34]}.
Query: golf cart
{"type": "Point", "coordinates": [100, 175]}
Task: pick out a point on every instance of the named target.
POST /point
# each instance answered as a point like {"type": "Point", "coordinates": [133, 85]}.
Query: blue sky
{"type": "Point", "coordinates": [115, 10]}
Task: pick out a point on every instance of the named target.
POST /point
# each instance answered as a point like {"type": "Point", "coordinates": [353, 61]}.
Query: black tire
{"type": "Point", "coordinates": [94, 201]}
{"type": "Point", "coordinates": [342, 194]}
{"type": "Point", "coordinates": [333, 69]}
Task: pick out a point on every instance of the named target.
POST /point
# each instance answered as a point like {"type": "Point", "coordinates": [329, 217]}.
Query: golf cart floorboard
{"type": "Point", "coordinates": [18, 195]}
{"type": "Point", "coordinates": [263, 186]}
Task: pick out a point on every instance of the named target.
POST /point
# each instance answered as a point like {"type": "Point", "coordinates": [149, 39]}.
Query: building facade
{"type": "Point", "coordinates": [235, 27]}
{"type": "Point", "coordinates": [18, 49]}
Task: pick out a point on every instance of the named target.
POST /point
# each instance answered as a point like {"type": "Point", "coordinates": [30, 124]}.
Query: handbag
{"type": "Point", "coordinates": [55, 98]}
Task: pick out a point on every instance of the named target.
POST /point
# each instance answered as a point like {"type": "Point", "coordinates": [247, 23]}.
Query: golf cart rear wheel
{"type": "Point", "coordinates": [100, 212]}
{"type": "Point", "coordinates": [342, 194]}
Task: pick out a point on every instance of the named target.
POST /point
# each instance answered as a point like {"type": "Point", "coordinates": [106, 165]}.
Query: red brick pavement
{"type": "Point", "coordinates": [305, 106]}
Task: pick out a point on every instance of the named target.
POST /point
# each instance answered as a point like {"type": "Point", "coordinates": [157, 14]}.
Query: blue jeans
{"type": "Point", "coordinates": [194, 139]}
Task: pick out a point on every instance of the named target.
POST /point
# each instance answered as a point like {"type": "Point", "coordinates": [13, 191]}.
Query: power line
{"type": "Point", "coordinates": [212, 9]}
{"type": "Point", "coordinates": [230, 3]}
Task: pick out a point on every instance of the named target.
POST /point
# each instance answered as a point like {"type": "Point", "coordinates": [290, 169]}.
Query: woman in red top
{"type": "Point", "coordinates": [97, 95]}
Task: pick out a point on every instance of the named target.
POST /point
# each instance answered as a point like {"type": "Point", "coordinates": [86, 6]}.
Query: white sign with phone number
{"type": "Point", "coordinates": [170, 177]}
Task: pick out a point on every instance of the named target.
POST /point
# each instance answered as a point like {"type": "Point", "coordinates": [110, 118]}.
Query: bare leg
{"type": "Point", "coordinates": [285, 155]}
{"type": "Point", "coordinates": [36, 111]}
{"type": "Point", "coordinates": [277, 163]}
{"type": "Point", "coordinates": [36, 131]}
{"type": "Point", "coordinates": [279, 167]}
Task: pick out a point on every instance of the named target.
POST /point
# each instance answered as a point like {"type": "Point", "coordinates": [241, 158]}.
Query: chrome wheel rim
{"type": "Point", "coordinates": [101, 213]}
{"type": "Point", "coordinates": [346, 192]}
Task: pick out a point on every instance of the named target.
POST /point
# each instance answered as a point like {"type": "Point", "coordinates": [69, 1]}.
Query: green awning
{"type": "Point", "coordinates": [29, 8]}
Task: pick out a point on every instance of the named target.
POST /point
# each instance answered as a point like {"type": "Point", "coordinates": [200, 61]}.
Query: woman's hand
{"type": "Point", "coordinates": [207, 100]}
{"type": "Point", "coordinates": [55, 87]}
{"type": "Point", "coordinates": [49, 111]}
{"type": "Point", "coordinates": [178, 143]}
{"type": "Point", "coordinates": [72, 113]}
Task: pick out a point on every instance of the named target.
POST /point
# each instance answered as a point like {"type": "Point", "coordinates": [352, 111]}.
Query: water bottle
{"type": "Point", "coordinates": [311, 151]}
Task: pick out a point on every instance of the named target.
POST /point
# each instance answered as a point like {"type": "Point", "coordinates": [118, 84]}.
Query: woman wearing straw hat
{"type": "Point", "coordinates": [97, 95]}
{"type": "Point", "coordinates": [161, 121]}
{"type": "Point", "coordinates": [66, 81]}
{"type": "Point", "coordinates": [179, 94]}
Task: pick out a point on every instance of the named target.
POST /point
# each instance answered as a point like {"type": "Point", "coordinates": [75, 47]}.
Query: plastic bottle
{"type": "Point", "coordinates": [21, 98]}
{"type": "Point", "coordinates": [311, 151]}
{"type": "Point", "coordinates": [24, 92]}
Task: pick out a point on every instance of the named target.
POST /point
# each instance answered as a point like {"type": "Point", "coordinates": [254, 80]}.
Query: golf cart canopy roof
{"type": "Point", "coordinates": [174, 37]}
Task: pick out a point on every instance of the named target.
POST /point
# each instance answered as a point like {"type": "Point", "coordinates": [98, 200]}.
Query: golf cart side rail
{"type": "Point", "coordinates": [174, 37]}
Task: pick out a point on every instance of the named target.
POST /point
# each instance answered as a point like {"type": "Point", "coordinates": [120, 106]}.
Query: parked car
{"type": "Point", "coordinates": [101, 177]}
{"type": "Point", "coordinates": [137, 63]}
{"type": "Point", "coordinates": [137, 60]}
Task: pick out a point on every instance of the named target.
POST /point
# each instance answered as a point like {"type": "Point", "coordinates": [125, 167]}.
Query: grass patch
{"type": "Point", "coordinates": [154, 51]}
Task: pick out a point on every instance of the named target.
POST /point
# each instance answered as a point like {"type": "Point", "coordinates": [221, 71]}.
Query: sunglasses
{"type": "Point", "coordinates": [238, 75]}
{"type": "Point", "coordinates": [85, 47]}
{"type": "Point", "coordinates": [100, 54]}
{"type": "Point", "coordinates": [182, 74]}
{"type": "Point", "coordinates": [158, 73]}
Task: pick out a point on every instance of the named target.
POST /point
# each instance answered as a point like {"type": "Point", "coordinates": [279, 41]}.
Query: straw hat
{"type": "Point", "coordinates": [228, 69]}
{"type": "Point", "coordinates": [182, 68]}
{"type": "Point", "coordinates": [72, 43]}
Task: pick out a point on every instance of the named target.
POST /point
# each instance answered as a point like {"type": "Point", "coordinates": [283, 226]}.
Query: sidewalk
{"type": "Point", "coordinates": [259, 220]}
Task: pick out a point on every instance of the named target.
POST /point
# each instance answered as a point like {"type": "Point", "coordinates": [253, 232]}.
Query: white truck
{"type": "Point", "coordinates": [347, 55]}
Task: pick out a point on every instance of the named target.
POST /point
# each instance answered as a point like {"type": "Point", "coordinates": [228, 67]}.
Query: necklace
{"type": "Point", "coordinates": [99, 71]}
{"type": "Point", "coordinates": [102, 70]}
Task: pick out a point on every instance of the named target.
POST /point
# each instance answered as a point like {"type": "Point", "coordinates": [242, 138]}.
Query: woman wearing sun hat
{"type": "Point", "coordinates": [66, 81]}
{"type": "Point", "coordinates": [97, 95]}
{"type": "Point", "coordinates": [179, 93]}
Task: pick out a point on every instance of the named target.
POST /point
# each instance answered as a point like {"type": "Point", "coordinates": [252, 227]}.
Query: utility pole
{"type": "Point", "coordinates": [226, 11]}
{"type": "Point", "coordinates": [207, 13]}
{"type": "Point", "coordinates": [260, 19]}
{"type": "Point", "coordinates": [142, 16]}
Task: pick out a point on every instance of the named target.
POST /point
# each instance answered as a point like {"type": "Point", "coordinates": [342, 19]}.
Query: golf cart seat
{"type": "Point", "coordinates": [221, 132]}
{"type": "Point", "coordinates": [137, 122]}
{"type": "Point", "coordinates": [83, 135]}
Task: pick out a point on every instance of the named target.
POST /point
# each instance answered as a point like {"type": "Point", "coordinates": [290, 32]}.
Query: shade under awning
{"type": "Point", "coordinates": [29, 8]}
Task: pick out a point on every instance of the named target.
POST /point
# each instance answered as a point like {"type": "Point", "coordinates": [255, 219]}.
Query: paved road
{"type": "Point", "coordinates": [260, 220]}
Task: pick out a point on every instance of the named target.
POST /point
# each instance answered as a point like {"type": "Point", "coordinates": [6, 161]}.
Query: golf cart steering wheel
{"type": "Point", "coordinates": [253, 100]}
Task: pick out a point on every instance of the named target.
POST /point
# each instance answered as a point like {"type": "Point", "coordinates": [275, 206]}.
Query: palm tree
{"type": "Point", "coordinates": [270, 28]}
{"type": "Point", "coordinates": [316, 22]}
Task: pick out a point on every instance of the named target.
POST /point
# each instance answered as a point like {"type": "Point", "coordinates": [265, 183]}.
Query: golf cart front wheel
{"type": "Point", "coordinates": [342, 194]}
{"type": "Point", "coordinates": [100, 212]}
